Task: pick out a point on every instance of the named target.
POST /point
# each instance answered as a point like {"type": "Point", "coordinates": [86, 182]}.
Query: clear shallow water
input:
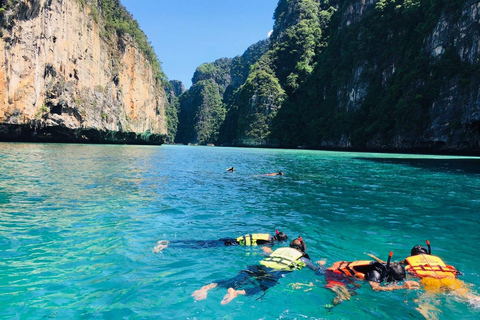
{"type": "Point", "coordinates": [78, 224]}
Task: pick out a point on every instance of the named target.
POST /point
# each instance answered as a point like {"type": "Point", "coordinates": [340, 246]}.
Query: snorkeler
{"type": "Point", "coordinates": [341, 277]}
{"type": "Point", "coordinates": [258, 278]}
{"type": "Point", "coordinates": [279, 173]}
{"type": "Point", "coordinates": [436, 277]}
{"type": "Point", "coordinates": [231, 169]}
{"type": "Point", "coordinates": [253, 239]}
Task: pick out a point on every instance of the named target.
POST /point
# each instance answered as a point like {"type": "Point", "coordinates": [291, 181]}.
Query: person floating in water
{"type": "Point", "coordinates": [279, 173]}
{"type": "Point", "coordinates": [231, 169]}
{"type": "Point", "coordinates": [259, 278]}
{"type": "Point", "coordinates": [436, 277]}
{"type": "Point", "coordinates": [341, 276]}
{"type": "Point", "coordinates": [253, 239]}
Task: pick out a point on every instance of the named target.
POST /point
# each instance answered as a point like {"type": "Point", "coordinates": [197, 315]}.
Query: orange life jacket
{"type": "Point", "coordinates": [424, 265]}
{"type": "Point", "coordinates": [350, 269]}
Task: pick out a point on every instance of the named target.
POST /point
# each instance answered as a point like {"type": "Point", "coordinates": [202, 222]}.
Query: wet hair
{"type": "Point", "coordinates": [298, 244]}
{"type": "Point", "coordinates": [280, 236]}
{"type": "Point", "coordinates": [280, 173]}
{"type": "Point", "coordinates": [396, 272]}
{"type": "Point", "coordinates": [418, 250]}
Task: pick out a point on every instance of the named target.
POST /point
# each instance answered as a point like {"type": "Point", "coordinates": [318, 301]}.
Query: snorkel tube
{"type": "Point", "coordinates": [275, 237]}
{"type": "Point", "coordinates": [303, 243]}
{"type": "Point", "coordinates": [387, 267]}
{"type": "Point", "coordinates": [389, 259]}
{"type": "Point", "coordinates": [429, 248]}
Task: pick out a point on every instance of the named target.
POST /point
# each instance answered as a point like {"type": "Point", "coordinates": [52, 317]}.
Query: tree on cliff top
{"type": "Point", "coordinates": [119, 20]}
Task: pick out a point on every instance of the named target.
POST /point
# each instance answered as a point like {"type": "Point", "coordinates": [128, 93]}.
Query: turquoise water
{"type": "Point", "coordinates": [78, 224]}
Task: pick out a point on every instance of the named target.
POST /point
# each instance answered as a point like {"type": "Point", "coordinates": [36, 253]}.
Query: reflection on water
{"type": "Point", "coordinates": [440, 164]}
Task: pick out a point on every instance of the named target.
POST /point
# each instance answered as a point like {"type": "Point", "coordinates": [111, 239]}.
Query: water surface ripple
{"type": "Point", "coordinates": [78, 224]}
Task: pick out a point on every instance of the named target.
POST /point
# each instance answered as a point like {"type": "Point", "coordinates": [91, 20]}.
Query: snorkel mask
{"type": "Point", "coordinates": [280, 236]}
{"type": "Point", "coordinates": [393, 272]}
{"type": "Point", "coordinates": [421, 250]}
{"type": "Point", "coordinates": [301, 247]}
{"type": "Point", "coordinates": [387, 267]}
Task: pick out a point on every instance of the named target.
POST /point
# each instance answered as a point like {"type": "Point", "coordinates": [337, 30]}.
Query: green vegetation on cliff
{"type": "Point", "coordinates": [296, 39]}
{"type": "Point", "coordinates": [399, 81]}
{"type": "Point", "coordinates": [201, 113]}
{"type": "Point", "coordinates": [257, 101]}
{"type": "Point", "coordinates": [352, 74]}
{"type": "Point", "coordinates": [119, 20]}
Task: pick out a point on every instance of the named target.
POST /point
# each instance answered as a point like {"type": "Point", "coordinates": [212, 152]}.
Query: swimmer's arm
{"type": "Point", "coordinates": [406, 285]}
{"type": "Point", "coordinates": [321, 263]}
{"type": "Point", "coordinates": [314, 267]}
{"type": "Point", "coordinates": [267, 250]}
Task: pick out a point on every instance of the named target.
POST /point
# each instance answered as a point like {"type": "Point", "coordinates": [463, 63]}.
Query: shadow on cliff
{"type": "Point", "coordinates": [458, 166]}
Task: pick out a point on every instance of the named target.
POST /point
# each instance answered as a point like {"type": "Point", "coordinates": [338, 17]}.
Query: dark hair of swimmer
{"type": "Point", "coordinates": [280, 173]}
{"type": "Point", "coordinates": [396, 272]}
{"type": "Point", "coordinates": [298, 244]}
{"type": "Point", "coordinates": [418, 250]}
{"type": "Point", "coordinates": [280, 236]}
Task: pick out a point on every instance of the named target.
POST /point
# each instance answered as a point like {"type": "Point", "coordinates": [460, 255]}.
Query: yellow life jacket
{"type": "Point", "coordinates": [284, 259]}
{"type": "Point", "coordinates": [350, 269]}
{"type": "Point", "coordinates": [424, 265]}
{"type": "Point", "coordinates": [251, 239]}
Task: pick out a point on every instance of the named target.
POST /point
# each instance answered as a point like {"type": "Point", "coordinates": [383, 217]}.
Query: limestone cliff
{"type": "Point", "coordinates": [434, 68]}
{"type": "Point", "coordinates": [65, 76]}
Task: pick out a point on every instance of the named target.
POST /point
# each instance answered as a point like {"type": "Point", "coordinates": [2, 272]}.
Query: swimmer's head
{"type": "Point", "coordinates": [280, 236]}
{"type": "Point", "coordinates": [418, 250]}
{"type": "Point", "coordinates": [396, 272]}
{"type": "Point", "coordinates": [280, 173]}
{"type": "Point", "coordinates": [298, 244]}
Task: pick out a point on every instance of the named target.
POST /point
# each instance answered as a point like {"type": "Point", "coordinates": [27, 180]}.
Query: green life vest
{"type": "Point", "coordinates": [251, 239]}
{"type": "Point", "coordinates": [284, 259]}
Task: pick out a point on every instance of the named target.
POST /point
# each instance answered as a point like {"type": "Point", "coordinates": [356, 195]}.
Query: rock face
{"type": "Point", "coordinates": [63, 79]}
{"type": "Point", "coordinates": [444, 101]}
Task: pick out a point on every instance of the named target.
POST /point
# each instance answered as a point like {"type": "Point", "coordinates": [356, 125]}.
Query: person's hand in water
{"type": "Point", "coordinates": [161, 245]}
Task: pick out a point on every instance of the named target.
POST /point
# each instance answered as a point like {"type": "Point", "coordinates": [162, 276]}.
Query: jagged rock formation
{"type": "Point", "coordinates": [66, 75]}
{"type": "Point", "coordinates": [177, 88]}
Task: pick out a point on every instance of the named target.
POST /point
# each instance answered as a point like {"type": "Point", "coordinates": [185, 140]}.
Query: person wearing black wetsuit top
{"type": "Point", "coordinates": [254, 239]}
{"type": "Point", "coordinates": [342, 275]}
{"type": "Point", "coordinates": [261, 277]}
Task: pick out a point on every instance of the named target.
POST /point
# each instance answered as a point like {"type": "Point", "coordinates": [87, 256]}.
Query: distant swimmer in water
{"type": "Point", "coordinates": [259, 278]}
{"type": "Point", "coordinates": [436, 277]}
{"type": "Point", "coordinates": [254, 239]}
{"type": "Point", "coordinates": [279, 173]}
{"type": "Point", "coordinates": [231, 169]}
{"type": "Point", "coordinates": [342, 275]}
